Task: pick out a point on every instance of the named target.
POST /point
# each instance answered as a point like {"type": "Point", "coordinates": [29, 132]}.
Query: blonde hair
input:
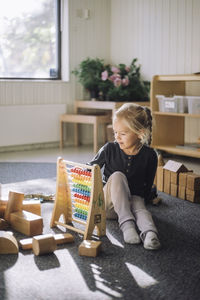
{"type": "Point", "coordinates": [138, 118]}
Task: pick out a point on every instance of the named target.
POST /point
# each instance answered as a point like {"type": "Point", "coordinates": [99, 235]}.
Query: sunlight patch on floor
{"type": "Point", "coordinates": [113, 240]}
{"type": "Point", "coordinates": [143, 279]}
{"type": "Point", "coordinates": [104, 285]}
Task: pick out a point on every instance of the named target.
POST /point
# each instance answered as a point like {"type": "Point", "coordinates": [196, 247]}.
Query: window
{"type": "Point", "coordinates": [30, 39]}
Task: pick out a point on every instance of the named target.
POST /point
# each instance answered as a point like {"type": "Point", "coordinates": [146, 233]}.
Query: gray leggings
{"type": "Point", "coordinates": [121, 205]}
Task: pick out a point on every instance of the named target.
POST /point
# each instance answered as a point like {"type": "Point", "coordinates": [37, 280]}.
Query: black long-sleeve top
{"type": "Point", "coordinates": [140, 169]}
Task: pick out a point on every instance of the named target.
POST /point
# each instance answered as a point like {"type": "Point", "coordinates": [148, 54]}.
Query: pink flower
{"type": "Point", "coordinates": [117, 82]}
{"type": "Point", "coordinates": [104, 75]}
{"type": "Point", "coordinates": [114, 77]}
{"type": "Point", "coordinates": [115, 70]}
{"type": "Point", "coordinates": [125, 81]}
{"type": "Point", "coordinates": [127, 69]}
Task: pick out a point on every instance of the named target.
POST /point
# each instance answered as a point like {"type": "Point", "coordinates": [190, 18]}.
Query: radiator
{"type": "Point", "coordinates": [29, 124]}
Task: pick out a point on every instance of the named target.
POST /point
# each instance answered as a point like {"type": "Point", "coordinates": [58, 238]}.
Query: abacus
{"type": "Point", "coordinates": [79, 198]}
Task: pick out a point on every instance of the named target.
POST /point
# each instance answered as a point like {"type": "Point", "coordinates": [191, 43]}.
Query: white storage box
{"type": "Point", "coordinates": [193, 104]}
{"type": "Point", "coordinates": [176, 104]}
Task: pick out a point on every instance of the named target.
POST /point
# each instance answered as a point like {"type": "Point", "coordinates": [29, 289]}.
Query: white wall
{"type": "Point", "coordinates": [87, 38]}
{"type": "Point", "coordinates": [162, 34]}
{"type": "Point", "coordinates": [165, 37]}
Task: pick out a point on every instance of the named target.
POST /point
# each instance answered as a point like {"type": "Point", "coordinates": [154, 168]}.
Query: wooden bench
{"type": "Point", "coordinates": [95, 120]}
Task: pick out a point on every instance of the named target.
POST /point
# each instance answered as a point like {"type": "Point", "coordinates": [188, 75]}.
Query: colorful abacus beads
{"type": "Point", "coordinates": [81, 190]}
{"type": "Point", "coordinates": [81, 172]}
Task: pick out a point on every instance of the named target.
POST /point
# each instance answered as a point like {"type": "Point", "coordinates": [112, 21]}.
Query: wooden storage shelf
{"type": "Point", "coordinates": [172, 149]}
{"type": "Point", "coordinates": [176, 114]}
{"type": "Point", "coordinates": [169, 128]}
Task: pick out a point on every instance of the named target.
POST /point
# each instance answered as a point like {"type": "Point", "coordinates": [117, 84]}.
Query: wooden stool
{"type": "Point", "coordinates": [95, 120]}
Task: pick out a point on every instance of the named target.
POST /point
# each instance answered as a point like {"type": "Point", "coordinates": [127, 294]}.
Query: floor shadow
{"type": "Point", "coordinates": [47, 262]}
{"type": "Point", "coordinates": [6, 262]}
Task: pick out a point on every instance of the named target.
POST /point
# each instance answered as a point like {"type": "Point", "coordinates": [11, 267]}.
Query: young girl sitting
{"type": "Point", "coordinates": [129, 171]}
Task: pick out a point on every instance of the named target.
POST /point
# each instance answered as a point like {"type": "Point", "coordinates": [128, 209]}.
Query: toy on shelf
{"type": "Point", "coordinates": [8, 243]}
{"type": "Point", "coordinates": [89, 248]}
{"type": "Point", "coordinates": [60, 238]}
{"type": "Point", "coordinates": [79, 198]}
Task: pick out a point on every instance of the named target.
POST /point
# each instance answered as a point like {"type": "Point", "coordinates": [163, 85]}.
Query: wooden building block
{"type": "Point", "coordinates": [26, 223]}
{"type": "Point", "coordinates": [60, 238]}
{"type": "Point", "coordinates": [8, 243]}
{"type": "Point", "coordinates": [174, 190]}
{"type": "Point", "coordinates": [14, 204]}
{"type": "Point", "coordinates": [43, 244]}
{"type": "Point", "coordinates": [193, 196]}
{"type": "Point", "coordinates": [181, 192]}
{"type": "Point", "coordinates": [167, 181]}
{"type": "Point", "coordinates": [160, 178]}
{"type": "Point", "coordinates": [174, 178]}
{"type": "Point", "coordinates": [89, 248]}
{"type": "Point", "coordinates": [33, 206]}
{"type": "Point", "coordinates": [26, 244]}
{"type": "Point", "coordinates": [3, 224]}
{"type": "Point", "coordinates": [183, 179]}
{"type": "Point", "coordinates": [193, 182]}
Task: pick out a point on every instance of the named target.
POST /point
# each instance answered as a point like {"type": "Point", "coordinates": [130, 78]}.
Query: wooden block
{"type": "Point", "coordinates": [26, 223]}
{"type": "Point", "coordinates": [167, 181]}
{"type": "Point", "coordinates": [60, 238]}
{"type": "Point", "coordinates": [33, 206]}
{"type": "Point", "coordinates": [8, 243]}
{"type": "Point", "coordinates": [193, 196]}
{"type": "Point", "coordinates": [160, 161]}
{"type": "Point", "coordinates": [183, 179]}
{"type": "Point", "coordinates": [174, 189]}
{"type": "Point", "coordinates": [160, 177]}
{"type": "Point", "coordinates": [14, 204]}
{"type": "Point", "coordinates": [43, 244]}
{"type": "Point", "coordinates": [3, 224]}
{"type": "Point", "coordinates": [26, 244]}
{"type": "Point", "coordinates": [193, 182]}
{"type": "Point", "coordinates": [181, 192]}
{"type": "Point", "coordinates": [174, 178]}
{"type": "Point", "coordinates": [89, 248]}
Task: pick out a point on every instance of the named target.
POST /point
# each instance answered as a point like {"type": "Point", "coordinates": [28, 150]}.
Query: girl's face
{"type": "Point", "coordinates": [125, 137]}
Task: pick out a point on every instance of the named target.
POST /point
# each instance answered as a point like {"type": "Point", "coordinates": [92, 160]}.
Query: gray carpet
{"type": "Point", "coordinates": [121, 271]}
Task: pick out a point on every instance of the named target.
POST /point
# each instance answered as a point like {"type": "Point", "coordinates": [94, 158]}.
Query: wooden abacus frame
{"type": "Point", "coordinates": [63, 201]}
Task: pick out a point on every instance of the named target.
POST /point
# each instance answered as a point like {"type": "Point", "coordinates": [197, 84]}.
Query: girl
{"type": "Point", "coordinates": [129, 171]}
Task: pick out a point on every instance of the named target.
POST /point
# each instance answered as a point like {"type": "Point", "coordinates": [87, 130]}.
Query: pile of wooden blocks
{"type": "Point", "coordinates": [175, 179]}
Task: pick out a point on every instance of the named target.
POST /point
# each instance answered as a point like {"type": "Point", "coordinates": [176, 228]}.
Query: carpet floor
{"type": "Point", "coordinates": [121, 271]}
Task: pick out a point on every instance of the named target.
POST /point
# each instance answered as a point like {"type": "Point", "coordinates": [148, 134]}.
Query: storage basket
{"type": "Point", "coordinates": [175, 104]}
{"type": "Point", "coordinates": [193, 104]}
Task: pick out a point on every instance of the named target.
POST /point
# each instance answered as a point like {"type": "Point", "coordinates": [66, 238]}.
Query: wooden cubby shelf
{"type": "Point", "coordinates": [169, 128]}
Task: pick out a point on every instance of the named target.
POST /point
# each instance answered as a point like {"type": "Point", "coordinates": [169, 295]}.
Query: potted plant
{"type": "Point", "coordinates": [124, 83]}
{"type": "Point", "coordinates": [112, 83]}
{"type": "Point", "coordinates": [89, 75]}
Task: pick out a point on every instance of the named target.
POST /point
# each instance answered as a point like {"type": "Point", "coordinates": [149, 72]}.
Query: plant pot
{"type": "Point", "coordinates": [94, 95]}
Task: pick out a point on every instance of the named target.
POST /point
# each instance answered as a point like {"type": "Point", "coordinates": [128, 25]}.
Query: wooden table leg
{"type": "Point", "coordinates": [95, 137]}
{"type": "Point", "coordinates": [76, 134]}
{"type": "Point", "coordinates": [61, 135]}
